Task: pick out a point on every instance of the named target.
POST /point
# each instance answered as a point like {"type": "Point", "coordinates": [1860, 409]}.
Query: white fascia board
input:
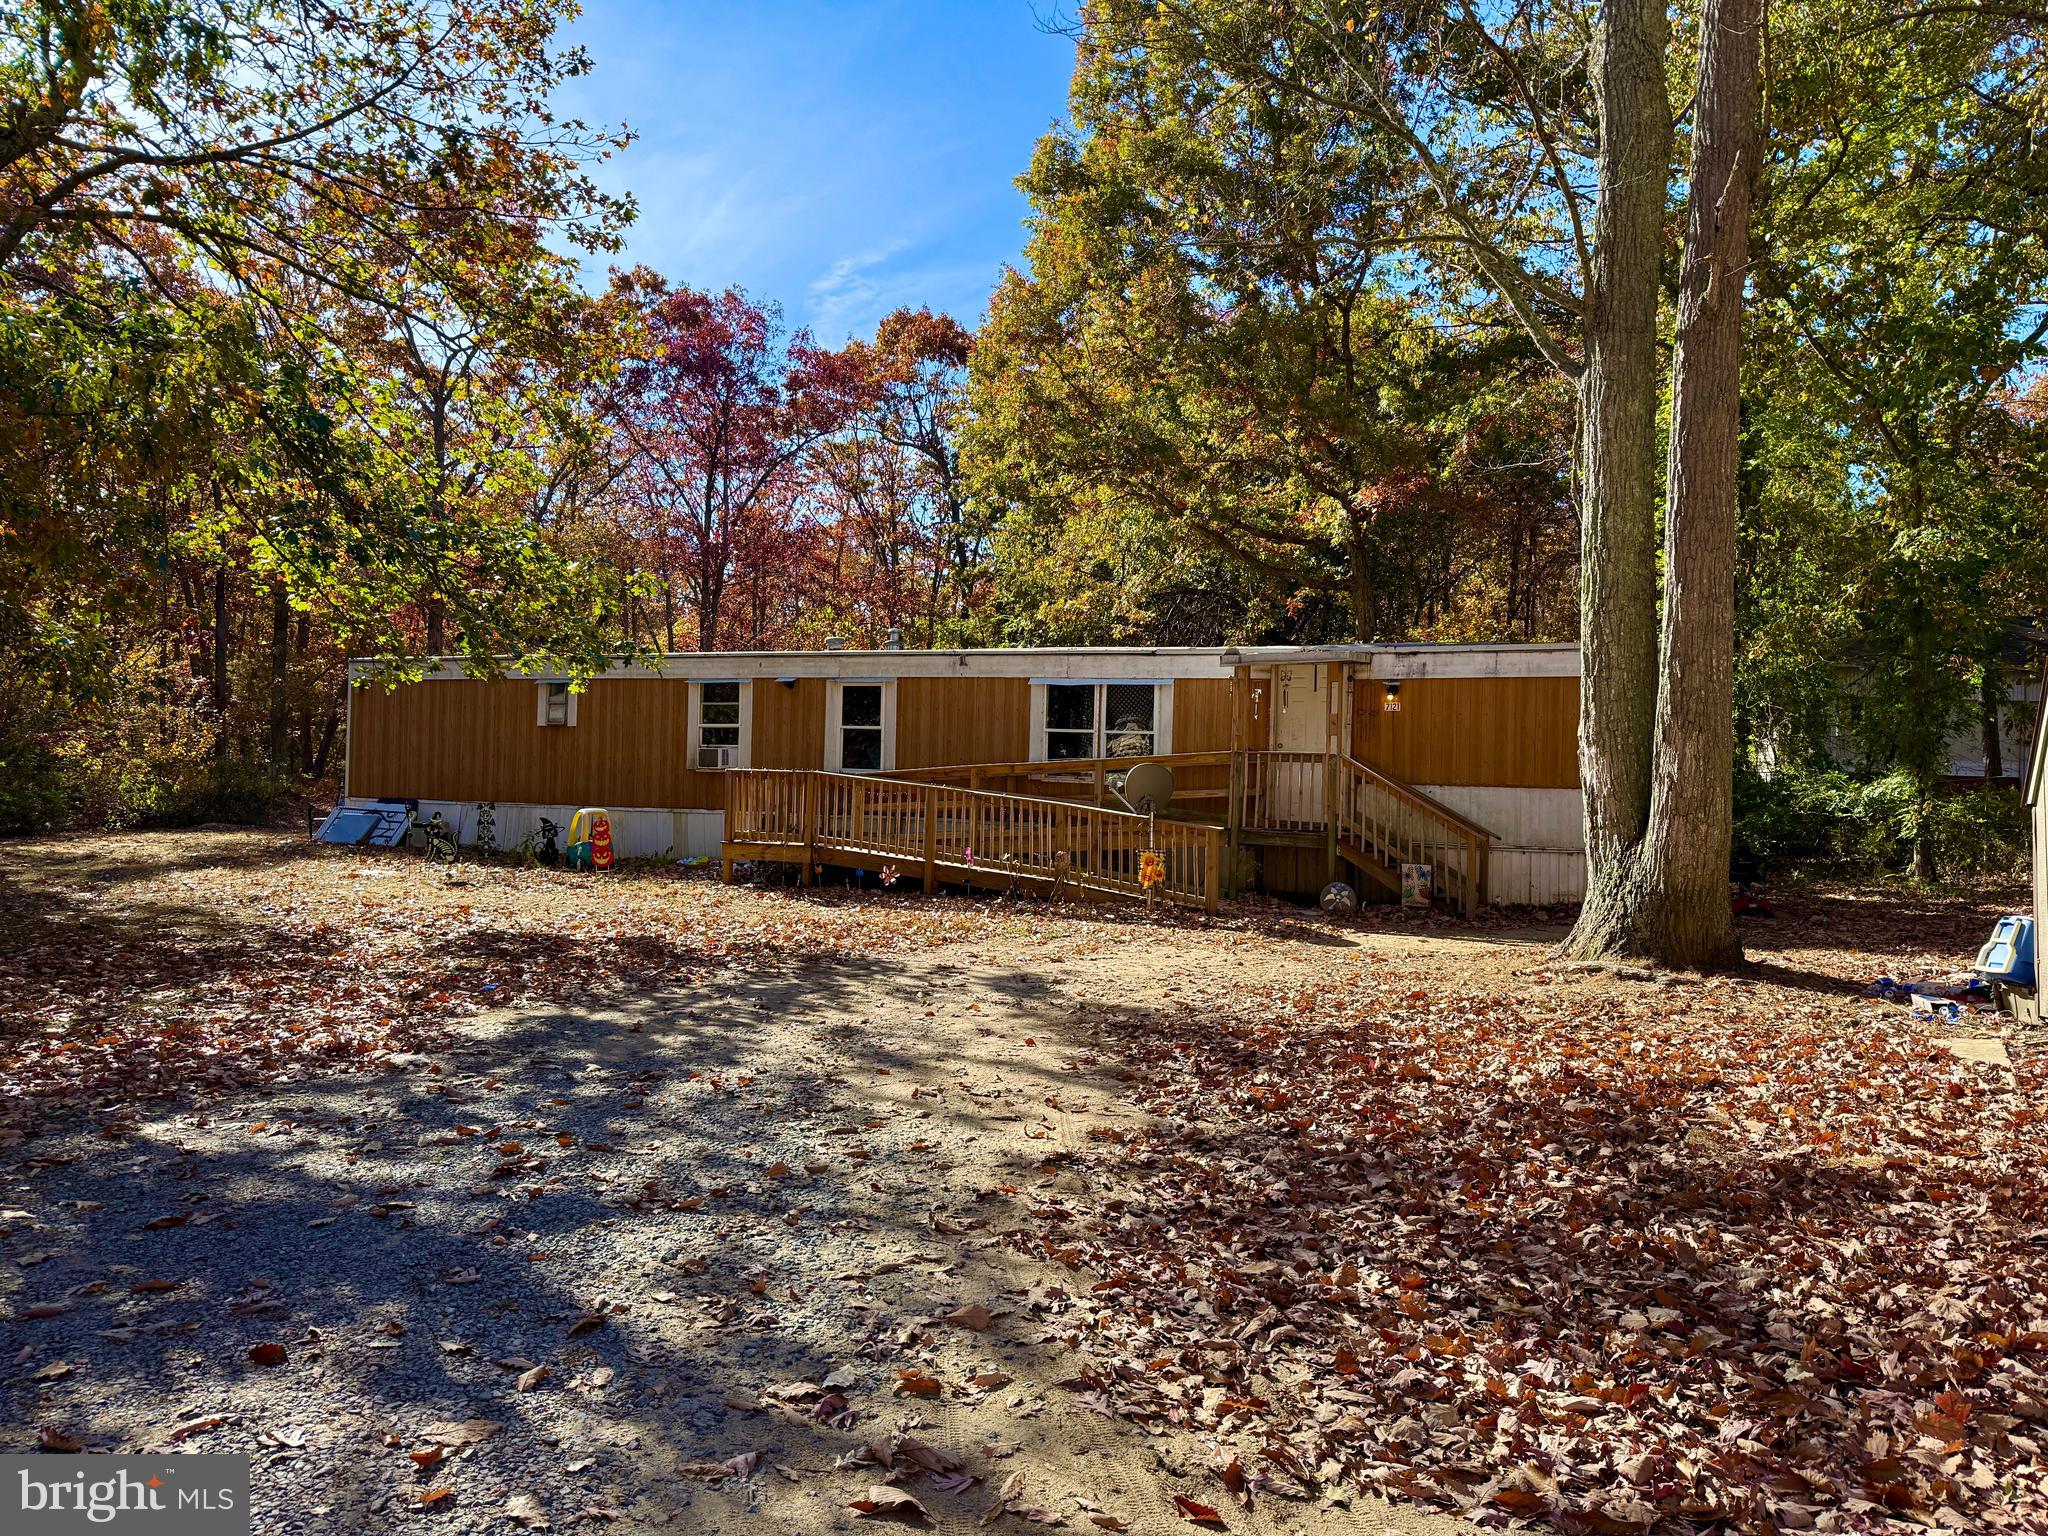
{"type": "Point", "coordinates": [1105, 665]}
{"type": "Point", "coordinates": [1504, 659]}
{"type": "Point", "coordinates": [1078, 664]}
{"type": "Point", "coordinates": [1394, 663]}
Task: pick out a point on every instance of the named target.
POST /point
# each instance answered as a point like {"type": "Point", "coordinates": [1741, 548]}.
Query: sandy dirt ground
{"type": "Point", "coordinates": [656, 1206]}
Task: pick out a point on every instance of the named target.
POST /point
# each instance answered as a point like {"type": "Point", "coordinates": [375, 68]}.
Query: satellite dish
{"type": "Point", "coordinates": [1147, 788]}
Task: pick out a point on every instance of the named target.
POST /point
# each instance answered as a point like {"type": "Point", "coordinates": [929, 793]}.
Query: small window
{"type": "Point", "coordinates": [1127, 719]}
{"type": "Point", "coordinates": [1069, 721]}
{"type": "Point", "coordinates": [721, 719]}
{"type": "Point", "coordinates": [718, 724]}
{"type": "Point", "coordinates": [860, 727]}
{"type": "Point", "coordinates": [555, 707]}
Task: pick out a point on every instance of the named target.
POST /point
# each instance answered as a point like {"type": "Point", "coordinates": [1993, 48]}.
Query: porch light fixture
{"type": "Point", "coordinates": [1393, 697]}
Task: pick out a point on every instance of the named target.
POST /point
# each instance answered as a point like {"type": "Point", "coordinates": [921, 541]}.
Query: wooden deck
{"type": "Point", "coordinates": [1050, 826]}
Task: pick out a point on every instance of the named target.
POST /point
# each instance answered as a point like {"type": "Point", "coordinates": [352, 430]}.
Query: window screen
{"type": "Point", "coordinates": [1069, 720]}
{"type": "Point", "coordinates": [719, 715]}
{"type": "Point", "coordinates": [860, 727]}
{"type": "Point", "coordinates": [1127, 720]}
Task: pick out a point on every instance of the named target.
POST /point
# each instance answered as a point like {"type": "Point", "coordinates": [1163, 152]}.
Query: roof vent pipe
{"type": "Point", "coordinates": [835, 642]}
{"type": "Point", "coordinates": [894, 642]}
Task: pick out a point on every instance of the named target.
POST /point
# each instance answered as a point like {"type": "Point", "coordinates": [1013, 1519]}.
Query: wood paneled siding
{"type": "Point", "coordinates": [1201, 714]}
{"type": "Point", "coordinates": [789, 724]}
{"type": "Point", "coordinates": [1516, 732]}
{"type": "Point", "coordinates": [462, 740]}
{"type": "Point", "coordinates": [941, 721]}
{"type": "Point", "coordinates": [474, 740]}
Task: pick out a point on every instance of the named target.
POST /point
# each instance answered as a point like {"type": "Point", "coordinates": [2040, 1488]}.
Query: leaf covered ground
{"type": "Point", "coordinates": [534, 1198]}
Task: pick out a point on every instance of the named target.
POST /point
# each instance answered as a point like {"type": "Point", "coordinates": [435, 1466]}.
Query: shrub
{"type": "Point", "coordinates": [143, 754]}
{"type": "Point", "coordinates": [1836, 822]}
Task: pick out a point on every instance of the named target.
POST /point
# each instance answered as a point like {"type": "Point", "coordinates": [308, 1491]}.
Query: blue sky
{"type": "Point", "coordinates": [841, 159]}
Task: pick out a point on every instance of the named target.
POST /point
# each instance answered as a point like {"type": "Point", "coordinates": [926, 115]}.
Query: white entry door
{"type": "Point", "coordinates": [1301, 723]}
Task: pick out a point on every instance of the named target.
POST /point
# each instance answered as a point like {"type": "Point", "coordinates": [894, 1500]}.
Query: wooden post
{"type": "Point", "coordinates": [810, 827]}
{"type": "Point", "coordinates": [1212, 886]}
{"type": "Point", "coordinates": [1233, 814]}
{"type": "Point", "coordinates": [1329, 817]}
{"type": "Point", "coordinates": [1101, 784]}
{"type": "Point", "coordinates": [931, 839]}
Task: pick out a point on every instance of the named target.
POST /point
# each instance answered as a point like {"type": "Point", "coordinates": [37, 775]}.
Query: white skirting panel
{"type": "Point", "coordinates": [1535, 877]}
{"type": "Point", "coordinates": [1539, 857]}
{"type": "Point", "coordinates": [637, 831]}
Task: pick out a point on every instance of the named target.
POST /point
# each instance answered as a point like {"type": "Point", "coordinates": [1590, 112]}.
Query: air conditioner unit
{"type": "Point", "coordinates": [718, 757]}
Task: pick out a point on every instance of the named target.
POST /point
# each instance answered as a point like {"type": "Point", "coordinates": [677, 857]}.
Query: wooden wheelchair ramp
{"type": "Point", "coordinates": [941, 833]}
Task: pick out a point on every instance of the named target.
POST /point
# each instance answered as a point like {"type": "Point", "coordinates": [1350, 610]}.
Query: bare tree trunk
{"type": "Point", "coordinates": [1691, 815]}
{"type": "Point", "coordinates": [1673, 895]}
{"type": "Point", "coordinates": [437, 626]}
{"type": "Point", "coordinates": [1618, 463]}
{"type": "Point", "coordinates": [302, 641]}
{"type": "Point", "coordinates": [1364, 612]}
{"type": "Point", "coordinates": [327, 739]}
{"type": "Point", "coordinates": [280, 657]}
{"type": "Point", "coordinates": [220, 660]}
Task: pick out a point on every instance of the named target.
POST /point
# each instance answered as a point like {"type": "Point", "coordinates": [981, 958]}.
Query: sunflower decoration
{"type": "Point", "coordinates": [1151, 871]}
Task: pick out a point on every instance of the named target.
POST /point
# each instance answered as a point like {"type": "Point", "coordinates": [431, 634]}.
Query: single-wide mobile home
{"type": "Point", "coordinates": [1289, 764]}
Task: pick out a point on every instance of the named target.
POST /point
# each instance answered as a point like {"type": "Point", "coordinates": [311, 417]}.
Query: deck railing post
{"type": "Point", "coordinates": [1234, 816]}
{"type": "Point", "coordinates": [1329, 817]}
{"type": "Point", "coordinates": [810, 820]}
{"type": "Point", "coordinates": [931, 839]}
{"type": "Point", "coordinates": [1212, 883]}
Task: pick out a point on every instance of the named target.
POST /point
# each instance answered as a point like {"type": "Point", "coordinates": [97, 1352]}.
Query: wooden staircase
{"type": "Point", "coordinates": [1383, 823]}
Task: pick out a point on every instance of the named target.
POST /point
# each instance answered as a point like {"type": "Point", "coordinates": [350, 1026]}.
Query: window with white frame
{"type": "Point", "coordinates": [860, 726]}
{"type": "Point", "coordinates": [1070, 720]}
{"type": "Point", "coordinates": [1074, 721]}
{"type": "Point", "coordinates": [718, 725]}
{"type": "Point", "coordinates": [557, 705]}
{"type": "Point", "coordinates": [1129, 719]}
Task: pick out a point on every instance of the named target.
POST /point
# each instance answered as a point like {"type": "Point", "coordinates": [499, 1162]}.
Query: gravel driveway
{"type": "Point", "coordinates": [723, 1255]}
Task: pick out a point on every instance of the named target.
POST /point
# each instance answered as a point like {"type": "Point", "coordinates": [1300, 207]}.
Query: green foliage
{"type": "Point", "coordinates": [1212, 391]}
{"type": "Point", "coordinates": [142, 752]}
{"type": "Point", "coordinates": [1896, 494]}
{"type": "Point", "coordinates": [1835, 822]}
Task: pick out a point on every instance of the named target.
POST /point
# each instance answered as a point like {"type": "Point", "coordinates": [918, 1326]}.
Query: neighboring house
{"type": "Point", "coordinates": [1292, 758]}
{"type": "Point", "coordinates": [1966, 757]}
